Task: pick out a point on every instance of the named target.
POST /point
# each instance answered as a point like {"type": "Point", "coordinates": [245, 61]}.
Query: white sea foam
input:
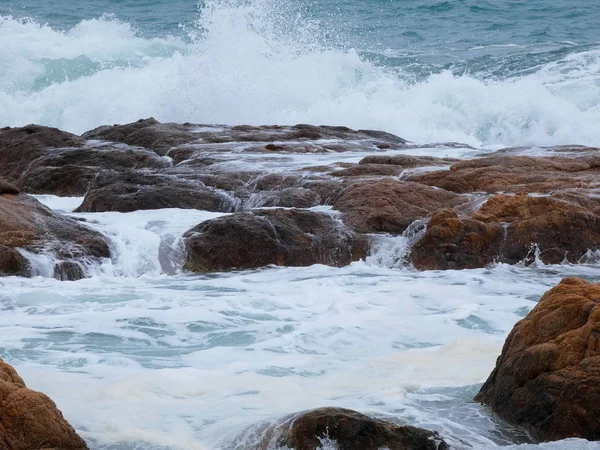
{"type": "Point", "coordinates": [245, 66]}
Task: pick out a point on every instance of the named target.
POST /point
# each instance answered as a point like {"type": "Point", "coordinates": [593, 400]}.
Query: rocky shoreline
{"type": "Point", "coordinates": [511, 206]}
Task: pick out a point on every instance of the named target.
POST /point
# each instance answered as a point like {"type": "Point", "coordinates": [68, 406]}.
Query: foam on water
{"type": "Point", "coordinates": [249, 62]}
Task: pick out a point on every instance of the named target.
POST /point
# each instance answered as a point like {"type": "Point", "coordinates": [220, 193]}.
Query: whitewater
{"type": "Point", "coordinates": [145, 356]}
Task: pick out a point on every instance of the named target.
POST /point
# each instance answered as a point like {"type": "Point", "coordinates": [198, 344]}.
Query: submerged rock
{"type": "Point", "coordinates": [390, 206]}
{"type": "Point", "coordinates": [508, 229]}
{"type": "Point", "coordinates": [350, 430]}
{"type": "Point", "coordinates": [29, 420]}
{"type": "Point", "coordinates": [28, 225]}
{"type": "Point", "coordinates": [547, 378]}
{"type": "Point", "coordinates": [278, 236]}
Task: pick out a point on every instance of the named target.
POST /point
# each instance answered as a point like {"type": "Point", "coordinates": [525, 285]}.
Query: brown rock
{"type": "Point", "coordinates": [506, 229]}
{"type": "Point", "coordinates": [547, 378]}
{"type": "Point", "coordinates": [29, 420]}
{"type": "Point", "coordinates": [509, 173]}
{"type": "Point", "coordinates": [350, 430]}
{"type": "Point", "coordinates": [390, 206]}
{"type": "Point", "coordinates": [7, 188]}
{"type": "Point", "coordinates": [264, 237]}
{"type": "Point", "coordinates": [25, 223]}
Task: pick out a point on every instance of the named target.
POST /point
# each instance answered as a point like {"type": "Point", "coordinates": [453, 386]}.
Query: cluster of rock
{"type": "Point", "coordinates": [501, 207]}
{"type": "Point", "coordinates": [504, 207]}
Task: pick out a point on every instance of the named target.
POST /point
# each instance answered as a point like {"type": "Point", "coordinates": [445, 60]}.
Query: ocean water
{"type": "Point", "coordinates": [487, 73]}
{"type": "Point", "coordinates": [143, 356]}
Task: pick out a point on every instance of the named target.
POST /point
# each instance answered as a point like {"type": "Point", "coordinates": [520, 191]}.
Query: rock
{"type": "Point", "coordinates": [71, 172]}
{"type": "Point", "coordinates": [263, 237]}
{"type": "Point", "coordinates": [285, 198]}
{"type": "Point", "coordinates": [350, 430]}
{"type": "Point", "coordinates": [390, 206]}
{"type": "Point", "coordinates": [28, 225]}
{"type": "Point", "coordinates": [510, 173]}
{"type": "Point", "coordinates": [7, 188]}
{"type": "Point", "coordinates": [29, 420]}
{"type": "Point", "coordinates": [407, 161]}
{"type": "Point", "coordinates": [148, 133]}
{"type": "Point", "coordinates": [547, 378]}
{"type": "Point", "coordinates": [20, 146]}
{"type": "Point", "coordinates": [506, 229]}
{"type": "Point", "coordinates": [134, 190]}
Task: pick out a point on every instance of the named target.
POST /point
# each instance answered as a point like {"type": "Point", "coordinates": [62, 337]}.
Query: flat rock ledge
{"type": "Point", "coordinates": [547, 378]}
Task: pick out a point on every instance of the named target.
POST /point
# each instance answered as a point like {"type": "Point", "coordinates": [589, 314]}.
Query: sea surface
{"type": "Point", "coordinates": [141, 357]}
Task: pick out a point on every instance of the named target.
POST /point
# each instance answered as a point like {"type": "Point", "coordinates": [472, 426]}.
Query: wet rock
{"type": "Point", "coordinates": [509, 173]}
{"type": "Point", "coordinates": [407, 161]}
{"type": "Point", "coordinates": [547, 378]}
{"type": "Point", "coordinates": [148, 133]}
{"type": "Point", "coordinates": [29, 420]}
{"type": "Point", "coordinates": [20, 146]}
{"type": "Point", "coordinates": [132, 191]}
{"type": "Point", "coordinates": [28, 225]}
{"type": "Point", "coordinates": [350, 430]}
{"type": "Point", "coordinates": [7, 188]}
{"type": "Point", "coordinates": [71, 172]}
{"type": "Point", "coordinates": [264, 237]}
{"type": "Point", "coordinates": [508, 229]}
{"type": "Point", "coordinates": [285, 198]}
{"type": "Point", "coordinates": [390, 206]}
{"type": "Point", "coordinates": [368, 170]}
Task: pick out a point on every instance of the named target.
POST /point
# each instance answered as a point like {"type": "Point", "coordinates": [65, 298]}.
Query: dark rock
{"type": "Point", "coordinates": [285, 198]}
{"type": "Point", "coordinates": [390, 206]}
{"type": "Point", "coordinates": [132, 191]}
{"type": "Point", "coordinates": [350, 430]}
{"type": "Point", "coordinates": [148, 133]}
{"type": "Point", "coordinates": [547, 378]}
{"type": "Point", "coordinates": [20, 146]}
{"type": "Point", "coordinates": [7, 188]}
{"type": "Point", "coordinates": [13, 263]}
{"type": "Point", "coordinates": [506, 229]}
{"type": "Point", "coordinates": [264, 237]}
{"type": "Point", "coordinates": [29, 420]}
{"type": "Point", "coordinates": [71, 172]}
{"type": "Point", "coordinates": [68, 271]}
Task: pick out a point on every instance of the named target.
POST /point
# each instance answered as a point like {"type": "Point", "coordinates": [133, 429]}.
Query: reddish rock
{"type": "Point", "coordinates": [547, 378]}
{"type": "Point", "coordinates": [265, 237]}
{"type": "Point", "coordinates": [350, 430]}
{"type": "Point", "coordinates": [29, 420]}
{"type": "Point", "coordinates": [25, 223]}
{"type": "Point", "coordinates": [509, 173]}
{"type": "Point", "coordinates": [390, 206]}
{"type": "Point", "coordinates": [506, 229]}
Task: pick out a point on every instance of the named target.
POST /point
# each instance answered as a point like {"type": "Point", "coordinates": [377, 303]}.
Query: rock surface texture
{"type": "Point", "coordinates": [350, 430]}
{"type": "Point", "coordinates": [27, 225]}
{"type": "Point", "coordinates": [283, 237]}
{"type": "Point", "coordinates": [547, 378]}
{"type": "Point", "coordinates": [29, 420]}
{"type": "Point", "coordinates": [508, 229]}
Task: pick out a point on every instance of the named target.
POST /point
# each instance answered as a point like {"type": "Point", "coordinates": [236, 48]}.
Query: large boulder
{"type": "Point", "coordinates": [29, 420]}
{"type": "Point", "coordinates": [134, 190]}
{"type": "Point", "coordinates": [20, 146]}
{"type": "Point", "coordinates": [547, 378]}
{"type": "Point", "coordinates": [350, 430]}
{"type": "Point", "coordinates": [284, 237]}
{"type": "Point", "coordinates": [27, 225]}
{"type": "Point", "coordinates": [390, 206]}
{"type": "Point", "coordinates": [508, 229]}
{"type": "Point", "coordinates": [512, 173]}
